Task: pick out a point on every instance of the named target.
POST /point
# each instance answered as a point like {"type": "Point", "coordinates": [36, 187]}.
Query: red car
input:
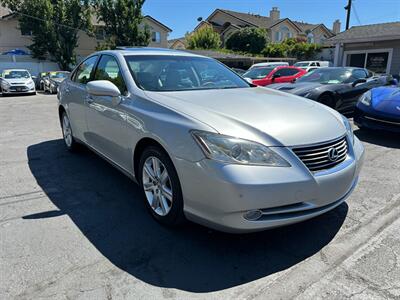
{"type": "Point", "coordinates": [268, 75]}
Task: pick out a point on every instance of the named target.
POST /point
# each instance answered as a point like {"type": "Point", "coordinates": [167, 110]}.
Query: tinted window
{"type": "Point", "coordinates": [359, 74]}
{"type": "Point", "coordinates": [286, 72]}
{"type": "Point", "coordinates": [108, 69]}
{"type": "Point", "coordinates": [180, 73]}
{"type": "Point", "coordinates": [327, 76]}
{"type": "Point", "coordinates": [82, 74]}
{"type": "Point", "coordinates": [258, 73]}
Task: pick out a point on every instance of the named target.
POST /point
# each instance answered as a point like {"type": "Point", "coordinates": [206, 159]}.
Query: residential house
{"type": "Point", "coordinates": [225, 22]}
{"type": "Point", "coordinates": [375, 47]}
{"type": "Point", "coordinates": [12, 37]}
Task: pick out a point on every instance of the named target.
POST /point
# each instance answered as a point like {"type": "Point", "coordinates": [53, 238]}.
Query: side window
{"type": "Point", "coordinates": [286, 72]}
{"type": "Point", "coordinates": [359, 74]}
{"type": "Point", "coordinates": [82, 74]}
{"type": "Point", "coordinates": [313, 64]}
{"type": "Point", "coordinates": [318, 65]}
{"type": "Point", "coordinates": [108, 69]}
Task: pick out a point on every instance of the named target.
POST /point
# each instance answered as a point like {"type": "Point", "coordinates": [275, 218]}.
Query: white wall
{"type": "Point", "coordinates": [26, 62]}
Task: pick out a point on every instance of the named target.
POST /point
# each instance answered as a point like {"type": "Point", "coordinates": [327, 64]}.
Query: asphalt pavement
{"type": "Point", "coordinates": [73, 227]}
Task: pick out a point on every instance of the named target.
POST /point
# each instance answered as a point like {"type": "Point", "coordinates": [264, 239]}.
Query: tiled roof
{"type": "Point", "coordinates": [369, 31]}
{"type": "Point", "coordinates": [266, 22]}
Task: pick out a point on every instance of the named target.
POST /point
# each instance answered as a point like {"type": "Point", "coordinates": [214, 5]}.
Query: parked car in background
{"type": "Point", "coordinates": [213, 149]}
{"type": "Point", "coordinates": [17, 81]}
{"type": "Point", "coordinates": [267, 75]}
{"type": "Point", "coordinates": [239, 71]}
{"type": "Point", "coordinates": [39, 82]}
{"type": "Point", "coordinates": [53, 80]}
{"type": "Point", "coordinates": [312, 65]}
{"type": "Point", "coordinates": [270, 64]}
{"type": "Point", "coordinates": [336, 87]}
{"type": "Point", "coordinates": [379, 108]}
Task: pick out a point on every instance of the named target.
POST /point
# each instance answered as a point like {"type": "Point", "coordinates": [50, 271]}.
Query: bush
{"type": "Point", "coordinates": [292, 48]}
{"type": "Point", "coordinates": [251, 40]}
{"type": "Point", "coordinates": [204, 38]}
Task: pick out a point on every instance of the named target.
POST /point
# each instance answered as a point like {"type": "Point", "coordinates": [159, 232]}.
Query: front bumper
{"type": "Point", "coordinates": [376, 121]}
{"type": "Point", "coordinates": [219, 195]}
{"type": "Point", "coordinates": [20, 89]}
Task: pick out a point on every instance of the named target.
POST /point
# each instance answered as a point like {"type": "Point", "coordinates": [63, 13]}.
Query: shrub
{"type": "Point", "coordinates": [251, 40]}
{"type": "Point", "coordinates": [204, 38]}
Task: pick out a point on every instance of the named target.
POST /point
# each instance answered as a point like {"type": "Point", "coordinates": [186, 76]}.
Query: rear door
{"type": "Point", "coordinates": [74, 93]}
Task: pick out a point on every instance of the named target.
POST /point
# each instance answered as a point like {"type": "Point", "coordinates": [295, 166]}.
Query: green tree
{"type": "Point", "coordinates": [249, 39]}
{"type": "Point", "coordinates": [54, 25]}
{"type": "Point", "coordinates": [123, 22]}
{"type": "Point", "coordinates": [204, 38]}
{"type": "Point", "coordinates": [292, 48]}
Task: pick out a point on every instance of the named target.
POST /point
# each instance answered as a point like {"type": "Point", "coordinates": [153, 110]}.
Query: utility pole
{"type": "Point", "coordinates": [348, 8]}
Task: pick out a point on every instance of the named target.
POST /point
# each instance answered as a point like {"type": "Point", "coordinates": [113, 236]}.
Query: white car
{"type": "Point", "coordinates": [312, 65]}
{"type": "Point", "coordinates": [270, 64]}
{"type": "Point", "coordinates": [17, 81]}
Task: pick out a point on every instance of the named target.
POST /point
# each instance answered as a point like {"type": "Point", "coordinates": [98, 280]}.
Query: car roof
{"type": "Point", "coordinates": [9, 70]}
{"type": "Point", "coordinates": [150, 51]}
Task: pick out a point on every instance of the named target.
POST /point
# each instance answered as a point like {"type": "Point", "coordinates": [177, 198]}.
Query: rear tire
{"type": "Point", "coordinates": [161, 187]}
{"type": "Point", "coordinates": [328, 100]}
{"type": "Point", "coordinates": [69, 140]}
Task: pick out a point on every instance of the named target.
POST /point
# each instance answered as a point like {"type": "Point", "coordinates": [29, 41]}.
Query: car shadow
{"type": "Point", "coordinates": [381, 138]}
{"type": "Point", "coordinates": [108, 209]}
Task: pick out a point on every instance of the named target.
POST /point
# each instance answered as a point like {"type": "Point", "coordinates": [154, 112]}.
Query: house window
{"type": "Point", "coordinates": [377, 60]}
{"type": "Point", "coordinates": [310, 37]}
{"type": "Point", "coordinates": [156, 37]}
{"type": "Point", "coordinates": [283, 33]}
{"type": "Point", "coordinates": [100, 33]}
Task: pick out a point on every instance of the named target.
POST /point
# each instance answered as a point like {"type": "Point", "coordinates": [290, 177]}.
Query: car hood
{"type": "Point", "coordinates": [300, 88]}
{"type": "Point", "coordinates": [386, 99]}
{"type": "Point", "coordinates": [267, 116]}
{"type": "Point", "coordinates": [17, 80]}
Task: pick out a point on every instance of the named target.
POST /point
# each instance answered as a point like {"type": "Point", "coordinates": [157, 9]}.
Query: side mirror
{"type": "Point", "coordinates": [275, 76]}
{"type": "Point", "coordinates": [102, 88]}
{"type": "Point", "coordinates": [358, 81]}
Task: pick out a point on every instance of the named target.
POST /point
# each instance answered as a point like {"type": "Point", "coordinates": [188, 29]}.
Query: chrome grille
{"type": "Point", "coordinates": [320, 157]}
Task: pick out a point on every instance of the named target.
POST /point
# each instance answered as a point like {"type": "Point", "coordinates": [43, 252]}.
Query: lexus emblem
{"type": "Point", "coordinates": [333, 154]}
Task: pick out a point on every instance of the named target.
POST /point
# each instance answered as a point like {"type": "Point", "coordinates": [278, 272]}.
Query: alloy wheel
{"type": "Point", "coordinates": [157, 186]}
{"type": "Point", "coordinates": [67, 132]}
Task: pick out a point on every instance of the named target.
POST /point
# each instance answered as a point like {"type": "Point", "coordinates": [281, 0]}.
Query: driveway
{"type": "Point", "coordinates": [72, 226]}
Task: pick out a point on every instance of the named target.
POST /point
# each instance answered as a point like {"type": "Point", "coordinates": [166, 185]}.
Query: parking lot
{"type": "Point", "coordinates": [72, 226]}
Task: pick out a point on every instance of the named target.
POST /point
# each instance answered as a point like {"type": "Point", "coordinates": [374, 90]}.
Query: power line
{"type": "Point", "coordinates": [356, 14]}
{"type": "Point", "coordinates": [58, 24]}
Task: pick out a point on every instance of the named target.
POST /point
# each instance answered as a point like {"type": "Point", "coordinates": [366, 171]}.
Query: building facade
{"type": "Point", "coordinates": [11, 37]}
{"type": "Point", "coordinates": [375, 47]}
{"type": "Point", "coordinates": [225, 22]}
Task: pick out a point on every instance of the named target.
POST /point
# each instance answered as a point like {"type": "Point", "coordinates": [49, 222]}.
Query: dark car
{"type": "Point", "coordinates": [379, 109]}
{"type": "Point", "coordinates": [337, 87]}
{"type": "Point", "coordinates": [53, 80]}
{"type": "Point", "coordinates": [39, 82]}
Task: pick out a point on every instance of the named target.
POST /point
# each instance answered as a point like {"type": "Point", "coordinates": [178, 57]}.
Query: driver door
{"type": "Point", "coordinates": [105, 116]}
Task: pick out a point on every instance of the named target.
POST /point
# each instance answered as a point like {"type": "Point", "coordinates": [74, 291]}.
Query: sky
{"type": "Point", "coordinates": [181, 15]}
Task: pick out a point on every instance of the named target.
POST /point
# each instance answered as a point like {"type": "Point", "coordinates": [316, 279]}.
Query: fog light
{"type": "Point", "coordinates": [253, 215]}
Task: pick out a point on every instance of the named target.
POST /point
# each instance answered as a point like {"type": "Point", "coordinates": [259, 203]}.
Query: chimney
{"type": "Point", "coordinates": [274, 14]}
{"type": "Point", "coordinates": [336, 27]}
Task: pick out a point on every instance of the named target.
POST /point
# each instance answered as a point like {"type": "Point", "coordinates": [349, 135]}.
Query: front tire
{"type": "Point", "coordinates": [69, 140]}
{"type": "Point", "coordinates": [161, 187]}
{"type": "Point", "coordinates": [328, 100]}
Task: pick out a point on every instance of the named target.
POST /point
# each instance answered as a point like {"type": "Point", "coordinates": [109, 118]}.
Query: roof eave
{"type": "Point", "coordinates": [337, 39]}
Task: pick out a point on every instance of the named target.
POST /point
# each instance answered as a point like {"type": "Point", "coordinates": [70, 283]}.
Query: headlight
{"type": "Point", "coordinates": [237, 151]}
{"type": "Point", "coordinates": [5, 84]}
{"type": "Point", "coordinates": [349, 129]}
{"type": "Point", "coordinates": [366, 98]}
{"type": "Point", "coordinates": [30, 83]}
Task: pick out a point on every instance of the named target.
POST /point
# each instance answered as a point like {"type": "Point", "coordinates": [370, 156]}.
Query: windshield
{"type": "Point", "coordinates": [58, 75]}
{"type": "Point", "coordinates": [181, 73]}
{"type": "Point", "coordinates": [258, 73]}
{"type": "Point", "coordinates": [327, 76]}
{"type": "Point", "coordinates": [301, 64]}
{"type": "Point", "coordinates": [16, 74]}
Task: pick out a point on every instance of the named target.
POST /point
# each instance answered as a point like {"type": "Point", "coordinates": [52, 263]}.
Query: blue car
{"type": "Point", "coordinates": [379, 109]}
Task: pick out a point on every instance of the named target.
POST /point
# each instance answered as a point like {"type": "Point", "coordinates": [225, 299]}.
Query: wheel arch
{"type": "Point", "coordinates": [141, 145]}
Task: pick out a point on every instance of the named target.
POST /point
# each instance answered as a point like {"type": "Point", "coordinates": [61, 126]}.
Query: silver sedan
{"type": "Point", "coordinates": [205, 145]}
